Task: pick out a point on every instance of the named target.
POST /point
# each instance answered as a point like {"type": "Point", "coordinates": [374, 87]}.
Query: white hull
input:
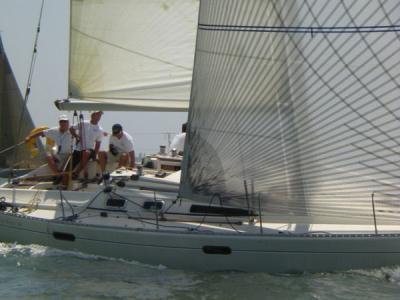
{"type": "Point", "coordinates": [193, 246]}
{"type": "Point", "coordinates": [278, 254]}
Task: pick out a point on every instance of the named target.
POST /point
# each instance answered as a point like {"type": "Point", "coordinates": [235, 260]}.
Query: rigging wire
{"type": "Point", "coordinates": [12, 147]}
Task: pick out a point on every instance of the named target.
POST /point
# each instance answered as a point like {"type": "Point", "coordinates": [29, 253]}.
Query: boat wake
{"type": "Point", "coordinates": [33, 250]}
{"type": "Point", "coordinates": [390, 274]}
{"type": "Point", "coordinates": [93, 276]}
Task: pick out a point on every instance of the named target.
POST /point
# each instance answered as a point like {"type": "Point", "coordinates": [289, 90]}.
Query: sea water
{"type": "Point", "coordinates": [38, 272]}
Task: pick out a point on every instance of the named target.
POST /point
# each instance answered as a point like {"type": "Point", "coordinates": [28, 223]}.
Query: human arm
{"type": "Point", "coordinates": [72, 130]}
{"type": "Point", "coordinates": [33, 136]}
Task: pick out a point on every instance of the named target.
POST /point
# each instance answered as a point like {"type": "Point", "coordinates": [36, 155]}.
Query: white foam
{"type": "Point", "coordinates": [391, 274]}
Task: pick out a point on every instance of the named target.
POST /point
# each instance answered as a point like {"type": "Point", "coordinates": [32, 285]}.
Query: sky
{"type": "Point", "coordinates": [18, 23]}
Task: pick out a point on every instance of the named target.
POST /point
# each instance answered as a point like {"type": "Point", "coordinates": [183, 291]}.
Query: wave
{"type": "Point", "coordinates": [94, 276]}
{"type": "Point", "coordinates": [391, 274]}
{"type": "Point", "coordinates": [35, 250]}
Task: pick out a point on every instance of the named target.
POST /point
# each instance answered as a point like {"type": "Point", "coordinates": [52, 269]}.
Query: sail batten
{"type": "Point", "coordinates": [129, 50]}
{"type": "Point", "coordinates": [298, 100]}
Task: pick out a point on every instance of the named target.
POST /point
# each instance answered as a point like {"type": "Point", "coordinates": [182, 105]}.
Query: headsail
{"type": "Point", "coordinates": [296, 103]}
{"type": "Point", "coordinates": [11, 105]}
{"type": "Point", "coordinates": [131, 54]}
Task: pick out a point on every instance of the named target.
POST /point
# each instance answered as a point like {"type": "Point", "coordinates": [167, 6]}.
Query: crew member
{"type": "Point", "coordinates": [120, 149]}
{"type": "Point", "coordinates": [178, 142]}
{"type": "Point", "coordinates": [57, 158]}
{"type": "Point", "coordinates": [89, 136]}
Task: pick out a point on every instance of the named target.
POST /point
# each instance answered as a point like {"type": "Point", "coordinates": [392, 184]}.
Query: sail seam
{"type": "Point", "coordinates": [130, 50]}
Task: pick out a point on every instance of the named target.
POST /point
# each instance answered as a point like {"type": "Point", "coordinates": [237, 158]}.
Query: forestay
{"type": "Point", "coordinates": [295, 105]}
{"type": "Point", "coordinates": [131, 54]}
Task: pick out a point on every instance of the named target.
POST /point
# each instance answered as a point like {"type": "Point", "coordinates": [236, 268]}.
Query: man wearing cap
{"type": "Point", "coordinates": [89, 136]}
{"type": "Point", "coordinates": [57, 158]}
{"type": "Point", "coordinates": [121, 149]}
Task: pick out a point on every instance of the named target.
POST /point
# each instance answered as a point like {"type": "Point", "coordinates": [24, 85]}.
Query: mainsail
{"type": "Point", "coordinates": [11, 106]}
{"type": "Point", "coordinates": [131, 54]}
{"type": "Point", "coordinates": [295, 108]}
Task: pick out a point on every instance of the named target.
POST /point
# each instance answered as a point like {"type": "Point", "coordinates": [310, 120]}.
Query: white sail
{"type": "Point", "coordinates": [296, 104]}
{"type": "Point", "coordinates": [131, 54]}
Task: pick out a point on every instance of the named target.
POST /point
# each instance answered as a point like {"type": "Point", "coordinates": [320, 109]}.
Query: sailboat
{"type": "Point", "coordinates": [290, 160]}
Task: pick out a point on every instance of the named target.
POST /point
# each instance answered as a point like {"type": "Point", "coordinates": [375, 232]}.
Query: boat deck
{"type": "Point", "coordinates": [148, 221]}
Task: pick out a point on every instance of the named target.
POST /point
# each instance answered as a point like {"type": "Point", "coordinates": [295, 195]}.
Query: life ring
{"type": "Point", "coordinates": [31, 141]}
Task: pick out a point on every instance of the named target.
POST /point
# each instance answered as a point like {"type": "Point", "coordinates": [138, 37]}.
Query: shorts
{"type": "Point", "coordinates": [113, 158]}
{"type": "Point", "coordinates": [76, 157]}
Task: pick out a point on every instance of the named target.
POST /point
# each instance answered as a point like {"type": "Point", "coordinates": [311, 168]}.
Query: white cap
{"type": "Point", "coordinates": [97, 112]}
{"type": "Point", "coordinates": [63, 118]}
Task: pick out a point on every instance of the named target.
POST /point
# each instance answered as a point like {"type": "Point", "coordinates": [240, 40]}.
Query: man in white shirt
{"type": "Point", "coordinates": [58, 157]}
{"type": "Point", "coordinates": [121, 149]}
{"type": "Point", "coordinates": [178, 142]}
{"type": "Point", "coordinates": [89, 138]}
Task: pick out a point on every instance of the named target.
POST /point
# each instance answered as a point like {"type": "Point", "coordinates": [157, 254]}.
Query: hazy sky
{"type": "Point", "coordinates": [18, 23]}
